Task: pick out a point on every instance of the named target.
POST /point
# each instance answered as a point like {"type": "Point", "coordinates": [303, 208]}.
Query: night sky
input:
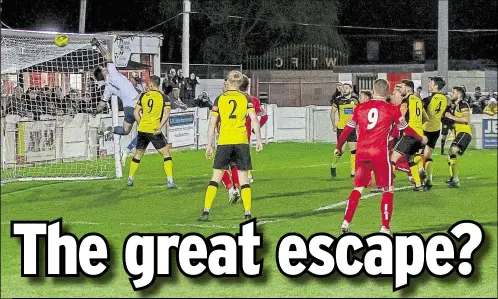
{"type": "Point", "coordinates": [114, 15]}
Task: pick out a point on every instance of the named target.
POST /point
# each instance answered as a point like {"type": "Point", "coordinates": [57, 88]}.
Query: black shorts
{"type": "Point", "coordinates": [462, 141]}
{"type": "Point", "coordinates": [233, 153]}
{"type": "Point", "coordinates": [351, 138]}
{"type": "Point", "coordinates": [432, 138]}
{"type": "Point", "coordinates": [143, 139]}
{"type": "Point", "coordinates": [408, 145]}
{"type": "Point", "coordinates": [445, 130]}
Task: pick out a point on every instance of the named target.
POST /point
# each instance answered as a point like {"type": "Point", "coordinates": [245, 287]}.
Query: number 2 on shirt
{"type": "Point", "coordinates": [232, 116]}
{"type": "Point", "coordinates": [373, 117]}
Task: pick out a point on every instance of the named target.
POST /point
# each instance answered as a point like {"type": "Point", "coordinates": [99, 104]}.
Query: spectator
{"type": "Point", "coordinates": [337, 93]}
{"type": "Point", "coordinates": [492, 107]}
{"type": "Point", "coordinates": [203, 101]}
{"type": "Point", "coordinates": [189, 90]}
{"type": "Point", "coordinates": [179, 81]}
{"type": "Point", "coordinates": [418, 92]}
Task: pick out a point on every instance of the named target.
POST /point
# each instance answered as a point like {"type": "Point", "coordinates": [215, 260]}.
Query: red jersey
{"type": "Point", "coordinates": [258, 108]}
{"type": "Point", "coordinates": [374, 121]}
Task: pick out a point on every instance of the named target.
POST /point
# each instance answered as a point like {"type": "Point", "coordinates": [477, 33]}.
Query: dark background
{"type": "Point", "coordinates": [120, 15]}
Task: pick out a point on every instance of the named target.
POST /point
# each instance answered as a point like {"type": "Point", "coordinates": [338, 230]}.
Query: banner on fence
{"type": "Point", "coordinates": [489, 134]}
{"type": "Point", "coordinates": [181, 130]}
{"type": "Point", "coordinates": [106, 143]}
{"type": "Point", "coordinates": [36, 141]}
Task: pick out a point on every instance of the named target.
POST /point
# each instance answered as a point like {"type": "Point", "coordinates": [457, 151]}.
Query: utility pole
{"type": "Point", "coordinates": [186, 39]}
{"type": "Point", "coordinates": [442, 37]}
{"type": "Point", "coordinates": [82, 16]}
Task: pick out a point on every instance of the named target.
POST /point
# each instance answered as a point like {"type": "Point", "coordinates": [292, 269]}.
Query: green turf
{"type": "Point", "coordinates": [291, 182]}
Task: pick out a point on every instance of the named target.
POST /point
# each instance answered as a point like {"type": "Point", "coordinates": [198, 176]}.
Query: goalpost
{"type": "Point", "coordinates": [48, 126]}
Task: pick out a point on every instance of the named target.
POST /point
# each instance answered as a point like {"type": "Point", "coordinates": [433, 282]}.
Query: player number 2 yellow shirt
{"type": "Point", "coordinates": [232, 108]}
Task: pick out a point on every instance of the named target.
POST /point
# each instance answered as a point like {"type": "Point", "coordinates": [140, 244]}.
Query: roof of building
{"type": "Point", "coordinates": [136, 33]}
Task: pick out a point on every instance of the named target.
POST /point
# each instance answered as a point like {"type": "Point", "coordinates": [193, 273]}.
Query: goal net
{"type": "Point", "coordinates": [49, 96]}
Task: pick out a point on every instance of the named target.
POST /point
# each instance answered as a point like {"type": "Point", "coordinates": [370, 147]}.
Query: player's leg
{"type": "Point", "coordinates": [457, 148]}
{"type": "Point", "coordinates": [233, 191]}
{"type": "Point", "coordinates": [249, 131]}
{"type": "Point", "coordinates": [353, 145]}
{"type": "Point", "coordinates": [129, 120]}
{"type": "Point", "coordinates": [161, 143]}
{"type": "Point", "coordinates": [384, 178]}
{"type": "Point", "coordinates": [227, 180]}
{"type": "Point", "coordinates": [415, 173]}
{"type": "Point", "coordinates": [429, 148]}
{"type": "Point", "coordinates": [444, 134]}
{"type": "Point", "coordinates": [361, 179]}
{"type": "Point", "coordinates": [335, 159]}
{"type": "Point", "coordinates": [143, 140]}
{"type": "Point", "coordinates": [242, 157]}
{"type": "Point", "coordinates": [221, 163]}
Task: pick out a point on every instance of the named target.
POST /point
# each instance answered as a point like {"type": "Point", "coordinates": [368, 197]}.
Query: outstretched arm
{"type": "Point", "coordinates": [103, 50]}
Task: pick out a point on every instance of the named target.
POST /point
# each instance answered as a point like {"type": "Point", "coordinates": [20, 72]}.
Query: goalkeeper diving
{"type": "Point", "coordinates": [116, 84]}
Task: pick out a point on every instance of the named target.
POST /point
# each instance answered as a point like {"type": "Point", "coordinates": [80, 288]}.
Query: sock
{"type": "Point", "coordinates": [418, 160]}
{"type": "Point", "coordinates": [168, 168]}
{"type": "Point", "coordinates": [133, 167]}
{"type": "Point", "coordinates": [132, 144]}
{"type": "Point", "coordinates": [227, 181]}
{"type": "Point", "coordinates": [246, 194]}
{"type": "Point", "coordinates": [353, 200]}
{"type": "Point", "coordinates": [210, 195]}
{"type": "Point", "coordinates": [352, 160]}
{"type": "Point", "coordinates": [443, 141]}
{"type": "Point", "coordinates": [453, 166]}
{"type": "Point", "coordinates": [335, 159]}
{"type": "Point", "coordinates": [119, 130]}
{"type": "Point", "coordinates": [235, 176]}
{"type": "Point", "coordinates": [386, 208]}
{"type": "Point", "coordinates": [428, 168]}
{"type": "Point", "coordinates": [449, 166]}
{"type": "Point", "coordinates": [415, 174]}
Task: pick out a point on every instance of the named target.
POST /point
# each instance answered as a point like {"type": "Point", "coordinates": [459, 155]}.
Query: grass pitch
{"type": "Point", "coordinates": [292, 183]}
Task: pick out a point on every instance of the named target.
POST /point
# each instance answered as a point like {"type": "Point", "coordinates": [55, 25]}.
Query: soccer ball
{"type": "Point", "coordinates": [61, 40]}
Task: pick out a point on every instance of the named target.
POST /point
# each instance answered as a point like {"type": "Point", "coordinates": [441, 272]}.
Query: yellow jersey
{"type": "Point", "coordinates": [460, 110]}
{"type": "Point", "coordinates": [413, 114]}
{"type": "Point", "coordinates": [435, 106]}
{"type": "Point", "coordinates": [232, 107]}
{"type": "Point", "coordinates": [345, 107]}
{"type": "Point", "coordinates": [153, 104]}
{"type": "Point", "coordinates": [491, 109]}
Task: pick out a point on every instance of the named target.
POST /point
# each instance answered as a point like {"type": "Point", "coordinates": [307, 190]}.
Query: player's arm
{"type": "Point", "coordinates": [103, 50]}
{"type": "Point", "coordinates": [333, 111]}
{"type": "Point", "coordinates": [425, 117]}
{"type": "Point", "coordinates": [464, 119]}
{"type": "Point", "coordinates": [105, 98]}
{"type": "Point", "coordinates": [138, 109]}
{"type": "Point", "coordinates": [257, 129]}
{"type": "Point", "coordinates": [351, 125]}
{"type": "Point", "coordinates": [166, 113]}
{"type": "Point", "coordinates": [213, 122]}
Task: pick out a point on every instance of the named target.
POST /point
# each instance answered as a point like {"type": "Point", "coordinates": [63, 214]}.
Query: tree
{"type": "Point", "coordinates": [229, 30]}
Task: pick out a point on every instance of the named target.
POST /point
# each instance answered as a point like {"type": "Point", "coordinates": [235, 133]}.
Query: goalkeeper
{"type": "Point", "coordinates": [118, 85]}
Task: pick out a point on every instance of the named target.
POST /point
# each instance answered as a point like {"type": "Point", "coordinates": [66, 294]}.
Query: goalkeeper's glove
{"type": "Point", "coordinates": [95, 42]}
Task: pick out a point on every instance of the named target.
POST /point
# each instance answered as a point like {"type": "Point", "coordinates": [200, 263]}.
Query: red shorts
{"type": "Point", "coordinates": [382, 171]}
